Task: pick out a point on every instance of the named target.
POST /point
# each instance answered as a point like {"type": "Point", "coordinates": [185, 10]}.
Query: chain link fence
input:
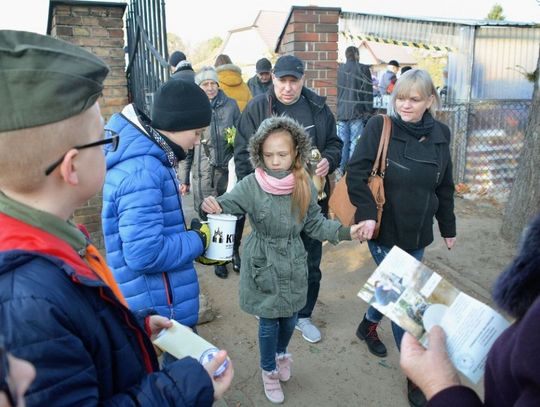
{"type": "Point", "coordinates": [487, 139]}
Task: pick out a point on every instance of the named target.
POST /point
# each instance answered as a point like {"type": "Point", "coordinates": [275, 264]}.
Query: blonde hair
{"type": "Point", "coordinates": [25, 153]}
{"type": "Point", "coordinates": [417, 80]}
{"type": "Point", "coordinates": [301, 195]}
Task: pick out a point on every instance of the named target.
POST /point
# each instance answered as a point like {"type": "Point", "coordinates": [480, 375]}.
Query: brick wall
{"type": "Point", "coordinates": [311, 34]}
{"type": "Point", "coordinates": [98, 28]}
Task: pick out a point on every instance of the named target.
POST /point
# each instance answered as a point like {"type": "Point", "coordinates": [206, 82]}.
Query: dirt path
{"type": "Point", "coordinates": [339, 371]}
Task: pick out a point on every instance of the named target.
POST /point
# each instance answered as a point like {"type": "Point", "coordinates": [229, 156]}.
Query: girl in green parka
{"type": "Point", "coordinates": [281, 201]}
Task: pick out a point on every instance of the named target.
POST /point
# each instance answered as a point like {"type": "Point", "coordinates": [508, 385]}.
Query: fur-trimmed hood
{"type": "Point", "coordinates": [230, 74]}
{"type": "Point", "coordinates": [229, 67]}
{"type": "Point", "coordinates": [519, 285]}
{"type": "Point", "coordinates": [271, 125]}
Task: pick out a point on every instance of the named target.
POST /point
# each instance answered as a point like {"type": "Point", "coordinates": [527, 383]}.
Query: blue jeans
{"type": "Point", "coordinates": [379, 252]}
{"type": "Point", "coordinates": [274, 337]}
{"type": "Point", "coordinates": [349, 132]}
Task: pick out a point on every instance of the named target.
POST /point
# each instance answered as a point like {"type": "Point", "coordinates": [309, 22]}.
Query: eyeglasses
{"type": "Point", "coordinates": [111, 137]}
{"type": "Point", "coordinates": [6, 385]}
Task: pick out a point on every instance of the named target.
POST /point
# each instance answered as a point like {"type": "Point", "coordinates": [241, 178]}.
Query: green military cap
{"type": "Point", "coordinates": [44, 80]}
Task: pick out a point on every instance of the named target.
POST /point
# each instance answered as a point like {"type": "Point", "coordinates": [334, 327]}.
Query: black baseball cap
{"type": "Point", "coordinates": [263, 65]}
{"type": "Point", "coordinates": [289, 65]}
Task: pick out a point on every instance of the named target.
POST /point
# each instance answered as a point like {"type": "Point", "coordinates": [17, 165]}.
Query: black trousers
{"type": "Point", "coordinates": [239, 230]}
{"type": "Point", "coordinates": [314, 254]}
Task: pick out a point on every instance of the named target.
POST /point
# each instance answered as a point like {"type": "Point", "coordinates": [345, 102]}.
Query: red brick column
{"type": "Point", "coordinates": [311, 34]}
{"type": "Point", "coordinates": [99, 28]}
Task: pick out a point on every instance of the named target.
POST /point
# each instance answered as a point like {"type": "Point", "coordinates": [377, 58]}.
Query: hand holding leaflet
{"type": "Point", "coordinates": [416, 298]}
{"type": "Point", "coordinates": [415, 361]}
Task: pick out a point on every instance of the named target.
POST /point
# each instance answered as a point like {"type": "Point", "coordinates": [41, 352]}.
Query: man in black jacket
{"type": "Point", "coordinates": [180, 67]}
{"type": "Point", "coordinates": [355, 102]}
{"type": "Point", "coordinates": [290, 97]}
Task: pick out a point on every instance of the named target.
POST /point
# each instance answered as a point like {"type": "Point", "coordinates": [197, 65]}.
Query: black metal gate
{"type": "Point", "coordinates": [147, 49]}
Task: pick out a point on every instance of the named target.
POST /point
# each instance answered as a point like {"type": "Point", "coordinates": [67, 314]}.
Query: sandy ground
{"type": "Point", "coordinates": [339, 371]}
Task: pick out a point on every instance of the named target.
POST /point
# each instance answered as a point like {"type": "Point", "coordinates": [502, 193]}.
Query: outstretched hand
{"type": "Point", "coordinates": [367, 228]}
{"type": "Point", "coordinates": [223, 381]}
{"type": "Point", "coordinates": [211, 205]}
{"type": "Point", "coordinates": [430, 369]}
{"type": "Point", "coordinates": [355, 229]}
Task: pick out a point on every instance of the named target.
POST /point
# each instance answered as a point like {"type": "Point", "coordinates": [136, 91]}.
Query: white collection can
{"type": "Point", "coordinates": [222, 228]}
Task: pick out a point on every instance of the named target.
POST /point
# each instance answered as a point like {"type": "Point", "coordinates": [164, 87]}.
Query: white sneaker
{"type": "Point", "coordinates": [309, 331]}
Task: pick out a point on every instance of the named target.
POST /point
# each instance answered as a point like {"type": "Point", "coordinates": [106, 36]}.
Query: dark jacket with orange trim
{"type": "Point", "coordinates": [87, 348]}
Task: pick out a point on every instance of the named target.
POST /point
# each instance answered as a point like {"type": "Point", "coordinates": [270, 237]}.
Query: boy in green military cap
{"type": "Point", "coordinates": [60, 307]}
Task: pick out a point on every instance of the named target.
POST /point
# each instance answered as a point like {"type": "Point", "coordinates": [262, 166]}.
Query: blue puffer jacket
{"type": "Point", "coordinates": [148, 247]}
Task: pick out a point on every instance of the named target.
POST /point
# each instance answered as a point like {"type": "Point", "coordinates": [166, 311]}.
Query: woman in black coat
{"type": "Point", "coordinates": [418, 186]}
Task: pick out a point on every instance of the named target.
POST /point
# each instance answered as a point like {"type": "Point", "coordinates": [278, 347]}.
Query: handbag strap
{"type": "Point", "coordinates": [379, 166]}
{"type": "Point", "coordinates": [386, 133]}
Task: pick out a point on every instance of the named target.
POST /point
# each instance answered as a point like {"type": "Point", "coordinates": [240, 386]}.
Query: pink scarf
{"type": "Point", "coordinates": [274, 185]}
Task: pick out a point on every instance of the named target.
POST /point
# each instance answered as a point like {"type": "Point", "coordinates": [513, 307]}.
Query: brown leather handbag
{"type": "Point", "coordinates": [339, 201]}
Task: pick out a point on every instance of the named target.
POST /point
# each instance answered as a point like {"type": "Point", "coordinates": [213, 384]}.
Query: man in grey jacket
{"type": "Point", "coordinates": [290, 97]}
{"type": "Point", "coordinates": [355, 102]}
{"type": "Point", "coordinates": [262, 80]}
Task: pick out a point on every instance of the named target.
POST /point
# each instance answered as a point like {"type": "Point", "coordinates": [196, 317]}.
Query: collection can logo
{"type": "Point", "coordinates": [217, 237]}
{"type": "Point", "coordinates": [222, 230]}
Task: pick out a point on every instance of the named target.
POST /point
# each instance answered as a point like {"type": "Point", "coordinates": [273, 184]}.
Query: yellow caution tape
{"type": "Point", "coordinates": [382, 40]}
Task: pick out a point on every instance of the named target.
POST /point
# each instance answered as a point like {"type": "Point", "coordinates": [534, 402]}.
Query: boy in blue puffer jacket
{"type": "Point", "coordinates": [149, 248]}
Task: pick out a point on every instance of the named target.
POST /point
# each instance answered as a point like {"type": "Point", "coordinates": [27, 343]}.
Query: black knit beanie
{"type": "Point", "coordinates": [180, 105]}
{"type": "Point", "coordinates": [176, 57]}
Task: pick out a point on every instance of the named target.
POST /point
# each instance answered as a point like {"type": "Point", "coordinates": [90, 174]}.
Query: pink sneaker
{"type": "Point", "coordinates": [284, 362]}
{"type": "Point", "coordinates": [272, 387]}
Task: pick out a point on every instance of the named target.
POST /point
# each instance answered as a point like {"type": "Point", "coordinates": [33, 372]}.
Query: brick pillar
{"type": "Point", "coordinates": [99, 28]}
{"type": "Point", "coordinates": [311, 34]}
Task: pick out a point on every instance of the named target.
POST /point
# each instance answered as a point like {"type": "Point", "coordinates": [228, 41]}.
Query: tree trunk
{"type": "Point", "coordinates": [524, 199]}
